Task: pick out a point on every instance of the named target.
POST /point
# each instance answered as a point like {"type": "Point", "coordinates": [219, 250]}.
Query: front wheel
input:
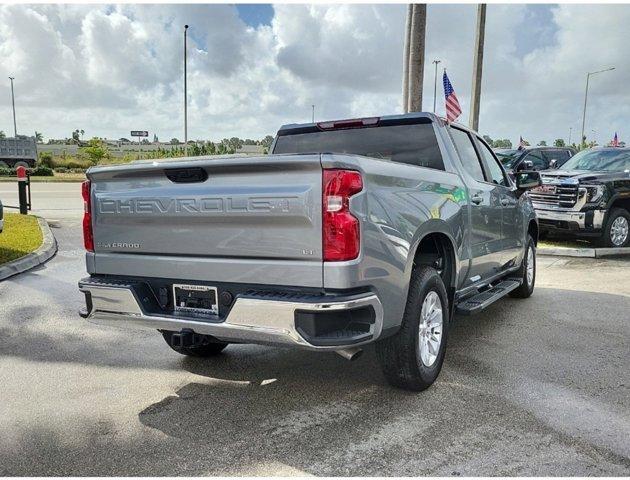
{"type": "Point", "coordinates": [617, 229]}
{"type": "Point", "coordinates": [527, 272]}
{"type": "Point", "coordinates": [412, 358]}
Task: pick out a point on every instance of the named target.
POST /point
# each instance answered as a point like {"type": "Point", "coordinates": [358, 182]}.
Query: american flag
{"type": "Point", "coordinates": [615, 142]}
{"type": "Point", "coordinates": [453, 110]}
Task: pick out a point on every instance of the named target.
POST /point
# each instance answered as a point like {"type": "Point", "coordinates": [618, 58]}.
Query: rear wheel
{"type": "Point", "coordinates": [21, 164]}
{"type": "Point", "coordinates": [412, 358]}
{"type": "Point", "coordinates": [617, 229]}
{"type": "Point", "coordinates": [207, 348]}
{"type": "Point", "coordinates": [527, 272]}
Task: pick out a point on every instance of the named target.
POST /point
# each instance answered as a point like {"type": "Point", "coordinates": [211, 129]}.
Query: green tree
{"type": "Point", "coordinates": [75, 136]}
{"type": "Point", "coordinates": [39, 138]}
{"type": "Point", "coordinates": [542, 143]}
{"type": "Point", "coordinates": [2, 134]}
{"type": "Point", "coordinates": [82, 132]}
{"type": "Point", "coordinates": [267, 141]}
{"type": "Point", "coordinates": [96, 151]}
{"type": "Point", "coordinates": [502, 143]}
{"type": "Point", "coordinates": [488, 140]}
{"type": "Point", "coordinates": [558, 142]}
{"type": "Point", "coordinates": [175, 141]}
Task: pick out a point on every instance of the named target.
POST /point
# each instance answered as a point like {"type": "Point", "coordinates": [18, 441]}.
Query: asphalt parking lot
{"type": "Point", "coordinates": [529, 387]}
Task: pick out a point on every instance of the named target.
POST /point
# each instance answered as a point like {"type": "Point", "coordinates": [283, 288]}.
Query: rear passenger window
{"type": "Point", "coordinates": [467, 153]}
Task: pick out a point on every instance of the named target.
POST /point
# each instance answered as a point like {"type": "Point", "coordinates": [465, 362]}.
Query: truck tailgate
{"type": "Point", "coordinates": [262, 209]}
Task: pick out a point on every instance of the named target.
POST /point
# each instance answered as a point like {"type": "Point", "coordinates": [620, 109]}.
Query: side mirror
{"type": "Point", "coordinates": [526, 180]}
{"type": "Point", "coordinates": [553, 164]}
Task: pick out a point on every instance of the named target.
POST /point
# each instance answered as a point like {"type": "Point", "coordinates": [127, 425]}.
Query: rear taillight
{"type": "Point", "coordinates": [88, 237]}
{"type": "Point", "coordinates": [340, 228]}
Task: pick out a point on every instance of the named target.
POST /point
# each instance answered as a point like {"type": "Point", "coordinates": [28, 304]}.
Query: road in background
{"type": "Point", "coordinates": [529, 387]}
{"type": "Point", "coordinates": [50, 200]}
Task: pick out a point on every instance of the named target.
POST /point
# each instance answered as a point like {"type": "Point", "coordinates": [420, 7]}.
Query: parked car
{"type": "Point", "coordinates": [18, 151]}
{"type": "Point", "coordinates": [534, 158]}
{"type": "Point", "coordinates": [350, 232]}
{"type": "Point", "coordinates": [588, 198]}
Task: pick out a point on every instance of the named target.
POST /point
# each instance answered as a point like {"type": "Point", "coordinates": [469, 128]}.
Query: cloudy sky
{"type": "Point", "coordinates": [113, 68]}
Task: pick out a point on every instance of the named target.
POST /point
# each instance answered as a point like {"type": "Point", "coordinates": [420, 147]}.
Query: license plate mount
{"type": "Point", "coordinates": [195, 299]}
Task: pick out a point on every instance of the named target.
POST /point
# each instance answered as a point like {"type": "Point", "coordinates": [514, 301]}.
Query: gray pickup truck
{"type": "Point", "coordinates": [350, 232]}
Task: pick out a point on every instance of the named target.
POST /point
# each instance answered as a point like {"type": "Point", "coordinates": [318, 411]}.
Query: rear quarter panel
{"type": "Point", "coordinates": [399, 205]}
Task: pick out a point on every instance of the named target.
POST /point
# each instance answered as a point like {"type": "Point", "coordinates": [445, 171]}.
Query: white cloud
{"type": "Point", "coordinates": [110, 69]}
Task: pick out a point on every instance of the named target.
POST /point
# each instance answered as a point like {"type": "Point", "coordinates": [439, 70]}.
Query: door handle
{"type": "Point", "coordinates": [476, 198]}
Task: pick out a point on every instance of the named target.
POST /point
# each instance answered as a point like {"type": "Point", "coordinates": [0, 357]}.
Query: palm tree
{"type": "Point", "coordinates": [416, 56]}
{"type": "Point", "coordinates": [82, 132]}
{"type": "Point", "coordinates": [2, 135]}
{"type": "Point", "coordinates": [39, 138]}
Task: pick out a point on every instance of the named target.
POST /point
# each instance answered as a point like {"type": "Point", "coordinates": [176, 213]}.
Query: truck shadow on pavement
{"type": "Point", "coordinates": [497, 366]}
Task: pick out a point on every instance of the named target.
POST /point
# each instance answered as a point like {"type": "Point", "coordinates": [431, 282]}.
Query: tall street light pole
{"type": "Point", "coordinates": [185, 91]}
{"type": "Point", "coordinates": [313, 114]}
{"type": "Point", "coordinates": [588, 76]}
{"type": "Point", "coordinates": [435, 84]}
{"type": "Point", "coordinates": [13, 103]}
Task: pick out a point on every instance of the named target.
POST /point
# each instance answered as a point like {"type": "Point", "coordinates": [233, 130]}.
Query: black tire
{"type": "Point", "coordinates": [526, 289]}
{"type": "Point", "coordinates": [209, 349]}
{"type": "Point", "coordinates": [399, 355]}
{"type": "Point", "coordinates": [606, 239]}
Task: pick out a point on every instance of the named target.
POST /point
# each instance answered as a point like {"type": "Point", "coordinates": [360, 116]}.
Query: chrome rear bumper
{"type": "Point", "coordinates": [250, 319]}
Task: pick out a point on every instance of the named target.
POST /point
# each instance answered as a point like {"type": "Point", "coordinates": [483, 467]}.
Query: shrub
{"type": "Point", "coordinates": [42, 171]}
{"type": "Point", "coordinates": [46, 160]}
{"type": "Point", "coordinates": [61, 169]}
{"type": "Point", "coordinates": [71, 163]}
{"type": "Point", "coordinates": [7, 172]}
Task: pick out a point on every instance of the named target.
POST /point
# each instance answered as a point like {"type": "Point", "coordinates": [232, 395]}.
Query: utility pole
{"type": "Point", "coordinates": [435, 84]}
{"type": "Point", "coordinates": [588, 76]}
{"type": "Point", "coordinates": [477, 67]}
{"type": "Point", "coordinates": [416, 56]}
{"type": "Point", "coordinates": [570, 131]}
{"type": "Point", "coordinates": [13, 102]}
{"type": "Point", "coordinates": [405, 85]}
{"type": "Point", "coordinates": [185, 91]}
{"type": "Point", "coordinates": [313, 114]}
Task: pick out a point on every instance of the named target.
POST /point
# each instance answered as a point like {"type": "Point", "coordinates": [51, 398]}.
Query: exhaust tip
{"type": "Point", "coordinates": [350, 354]}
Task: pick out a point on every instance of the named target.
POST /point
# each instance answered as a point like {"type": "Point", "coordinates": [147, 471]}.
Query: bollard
{"type": "Point", "coordinates": [23, 182]}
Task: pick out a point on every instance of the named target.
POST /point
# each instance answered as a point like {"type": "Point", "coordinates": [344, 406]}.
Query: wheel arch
{"type": "Point", "coordinates": [435, 241]}
{"type": "Point", "coordinates": [533, 229]}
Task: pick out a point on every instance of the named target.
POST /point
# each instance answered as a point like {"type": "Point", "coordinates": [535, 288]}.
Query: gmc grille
{"type": "Point", "coordinates": [565, 196]}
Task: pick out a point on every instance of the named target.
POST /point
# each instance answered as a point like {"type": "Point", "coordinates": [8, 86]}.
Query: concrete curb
{"type": "Point", "coordinates": [45, 252]}
{"type": "Point", "coordinates": [585, 252]}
